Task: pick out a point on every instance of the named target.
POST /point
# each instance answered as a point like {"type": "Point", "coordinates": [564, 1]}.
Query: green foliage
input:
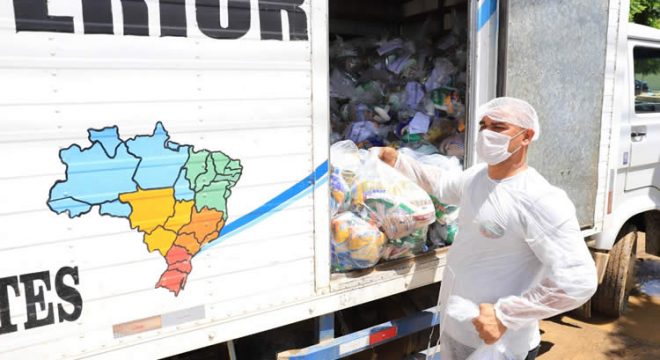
{"type": "Point", "coordinates": [645, 12]}
{"type": "Point", "coordinates": [647, 66]}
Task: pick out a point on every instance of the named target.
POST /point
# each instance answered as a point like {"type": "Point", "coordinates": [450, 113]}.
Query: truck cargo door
{"type": "Point", "coordinates": [644, 166]}
{"type": "Point", "coordinates": [553, 56]}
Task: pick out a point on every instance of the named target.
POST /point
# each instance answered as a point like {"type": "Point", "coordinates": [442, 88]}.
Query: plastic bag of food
{"type": "Point", "coordinates": [340, 192]}
{"type": "Point", "coordinates": [370, 92]}
{"type": "Point", "coordinates": [447, 99]}
{"type": "Point", "coordinates": [443, 69]}
{"type": "Point", "coordinates": [342, 85]}
{"type": "Point", "coordinates": [440, 128]}
{"type": "Point", "coordinates": [345, 157]}
{"type": "Point", "coordinates": [361, 131]}
{"type": "Point", "coordinates": [453, 145]}
{"type": "Point", "coordinates": [388, 199]}
{"type": "Point", "coordinates": [356, 244]}
{"type": "Point", "coordinates": [386, 47]}
{"type": "Point", "coordinates": [400, 63]}
{"type": "Point", "coordinates": [414, 94]}
{"type": "Point", "coordinates": [442, 234]}
{"type": "Point", "coordinates": [407, 246]}
{"type": "Point", "coordinates": [444, 213]}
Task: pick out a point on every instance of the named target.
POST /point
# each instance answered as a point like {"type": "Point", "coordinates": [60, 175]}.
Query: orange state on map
{"type": "Point", "coordinates": [188, 242]}
{"type": "Point", "coordinates": [204, 225]}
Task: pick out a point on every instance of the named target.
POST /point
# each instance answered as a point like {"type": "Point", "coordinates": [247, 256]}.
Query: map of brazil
{"type": "Point", "coordinates": [176, 196]}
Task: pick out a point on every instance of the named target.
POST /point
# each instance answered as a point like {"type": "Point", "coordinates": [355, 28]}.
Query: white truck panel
{"type": "Point", "coordinates": [321, 142]}
{"type": "Point", "coordinates": [248, 98]}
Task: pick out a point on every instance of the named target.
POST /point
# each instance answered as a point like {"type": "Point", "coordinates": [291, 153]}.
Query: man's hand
{"type": "Point", "coordinates": [388, 155]}
{"type": "Point", "coordinates": [488, 326]}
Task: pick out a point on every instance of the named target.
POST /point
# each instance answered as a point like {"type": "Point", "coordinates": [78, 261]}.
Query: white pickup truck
{"type": "Point", "coordinates": [165, 162]}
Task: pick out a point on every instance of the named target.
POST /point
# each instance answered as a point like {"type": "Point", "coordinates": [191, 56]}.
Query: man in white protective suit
{"type": "Point", "coordinates": [518, 253]}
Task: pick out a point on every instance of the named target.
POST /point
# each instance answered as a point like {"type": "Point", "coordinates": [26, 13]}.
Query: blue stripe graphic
{"type": "Point", "coordinates": [486, 10]}
{"type": "Point", "coordinates": [288, 196]}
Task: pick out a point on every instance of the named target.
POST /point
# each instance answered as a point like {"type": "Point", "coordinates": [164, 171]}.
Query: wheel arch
{"type": "Point", "coordinates": [632, 210]}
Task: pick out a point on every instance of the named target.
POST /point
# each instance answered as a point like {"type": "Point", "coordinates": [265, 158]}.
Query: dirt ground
{"type": "Point", "coordinates": [636, 335]}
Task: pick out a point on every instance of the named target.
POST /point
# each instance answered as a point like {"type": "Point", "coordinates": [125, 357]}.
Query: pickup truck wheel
{"type": "Point", "coordinates": [611, 298]}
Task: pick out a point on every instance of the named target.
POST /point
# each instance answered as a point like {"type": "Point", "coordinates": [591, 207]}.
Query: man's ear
{"type": "Point", "coordinates": [529, 135]}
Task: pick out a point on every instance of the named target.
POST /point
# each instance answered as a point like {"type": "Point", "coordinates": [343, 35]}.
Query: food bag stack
{"type": "Point", "coordinates": [378, 213]}
{"type": "Point", "coordinates": [400, 92]}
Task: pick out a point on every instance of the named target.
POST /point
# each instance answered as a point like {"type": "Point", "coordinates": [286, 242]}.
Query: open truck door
{"type": "Point", "coordinates": [566, 69]}
{"type": "Point", "coordinates": [566, 87]}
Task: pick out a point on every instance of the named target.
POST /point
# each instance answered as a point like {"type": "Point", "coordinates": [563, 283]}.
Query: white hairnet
{"type": "Point", "coordinates": [513, 111]}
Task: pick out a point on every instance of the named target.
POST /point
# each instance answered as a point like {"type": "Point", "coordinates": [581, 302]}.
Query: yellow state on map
{"type": "Point", "coordinates": [150, 208]}
{"type": "Point", "coordinates": [160, 239]}
{"type": "Point", "coordinates": [182, 214]}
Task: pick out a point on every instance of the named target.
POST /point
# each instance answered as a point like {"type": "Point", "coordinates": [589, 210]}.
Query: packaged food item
{"type": "Point", "coordinates": [342, 85]}
{"type": "Point", "coordinates": [405, 92]}
{"type": "Point", "coordinates": [340, 192]}
{"type": "Point", "coordinates": [453, 145]}
{"type": "Point", "coordinates": [383, 196]}
{"type": "Point", "coordinates": [440, 235]}
{"type": "Point", "coordinates": [407, 246]}
{"type": "Point", "coordinates": [391, 81]}
{"type": "Point", "coordinates": [444, 214]}
{"type": "Point", "coordinates": [345, 156]}
{"type": "Point", "coordinates": [441, 75]}
{"type": "Point", "coordinates": [356, 244]}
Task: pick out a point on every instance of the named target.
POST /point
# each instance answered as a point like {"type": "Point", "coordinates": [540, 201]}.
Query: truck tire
{"type": "Point", "coordinates": [611, 298]}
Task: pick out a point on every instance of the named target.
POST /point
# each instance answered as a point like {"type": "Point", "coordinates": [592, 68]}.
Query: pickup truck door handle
{"type": "Point", "coordinates": [637, 136]}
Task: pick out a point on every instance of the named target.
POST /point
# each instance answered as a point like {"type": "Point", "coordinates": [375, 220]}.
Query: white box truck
{"type": "Point", "coordinates": [165, 162]}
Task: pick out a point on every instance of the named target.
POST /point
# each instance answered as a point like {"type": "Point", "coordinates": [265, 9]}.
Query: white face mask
{"type": "Point", "coordinates": [493, 147]}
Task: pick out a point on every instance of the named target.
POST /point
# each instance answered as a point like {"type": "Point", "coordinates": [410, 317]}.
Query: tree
{"type": "Point", "coordinates": [645, 12]}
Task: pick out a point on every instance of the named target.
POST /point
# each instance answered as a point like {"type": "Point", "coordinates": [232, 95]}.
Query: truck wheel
{"type": "Point", "coordinates": [611, 298]}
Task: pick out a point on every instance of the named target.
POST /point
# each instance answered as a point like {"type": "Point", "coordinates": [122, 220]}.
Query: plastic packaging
{"type": "Point", "coordinates": [356, 244]}
{"type": "Point", "coordinates": [444, 213]}
{"type": "Point", "coordinates": [414, 94]}
{"type": "Point", "coordinates": [370, 92]}
{"type": "Point", "coordinates": [443, 69]}
{"type": "Point", "coordinates": [407, 246]}
{"type": "Point", "coordinates": [443, 163]}
{"type": "Point", "coordinates": [340, 193]}
{"type": "Point", "coordinates": [345, 158]}
{"type": "Point", "coordinates": [440, 128]}
{"type": "Point", "coordinates": [387, 47]}
{"type": "Point", "coordinates": [383, 196]}
{"type": "Point", "coordinates": [453, 145]}
{"type": "Point", "coordinates": [342, 85]}
{"type": "Point", "coordinates": [464, 310]}
{"type": "Point", "coordinates": [361, 131]}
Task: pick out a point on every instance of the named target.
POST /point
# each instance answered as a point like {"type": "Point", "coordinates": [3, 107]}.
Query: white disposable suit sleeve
{"type": "Point", "coordinates": [568, 278]}
{"type": "Point", "coordinates": [445, 185]}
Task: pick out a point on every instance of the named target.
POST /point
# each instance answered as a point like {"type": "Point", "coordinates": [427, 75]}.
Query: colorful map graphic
{"type": "Point", "coordinates": [174, 195]}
